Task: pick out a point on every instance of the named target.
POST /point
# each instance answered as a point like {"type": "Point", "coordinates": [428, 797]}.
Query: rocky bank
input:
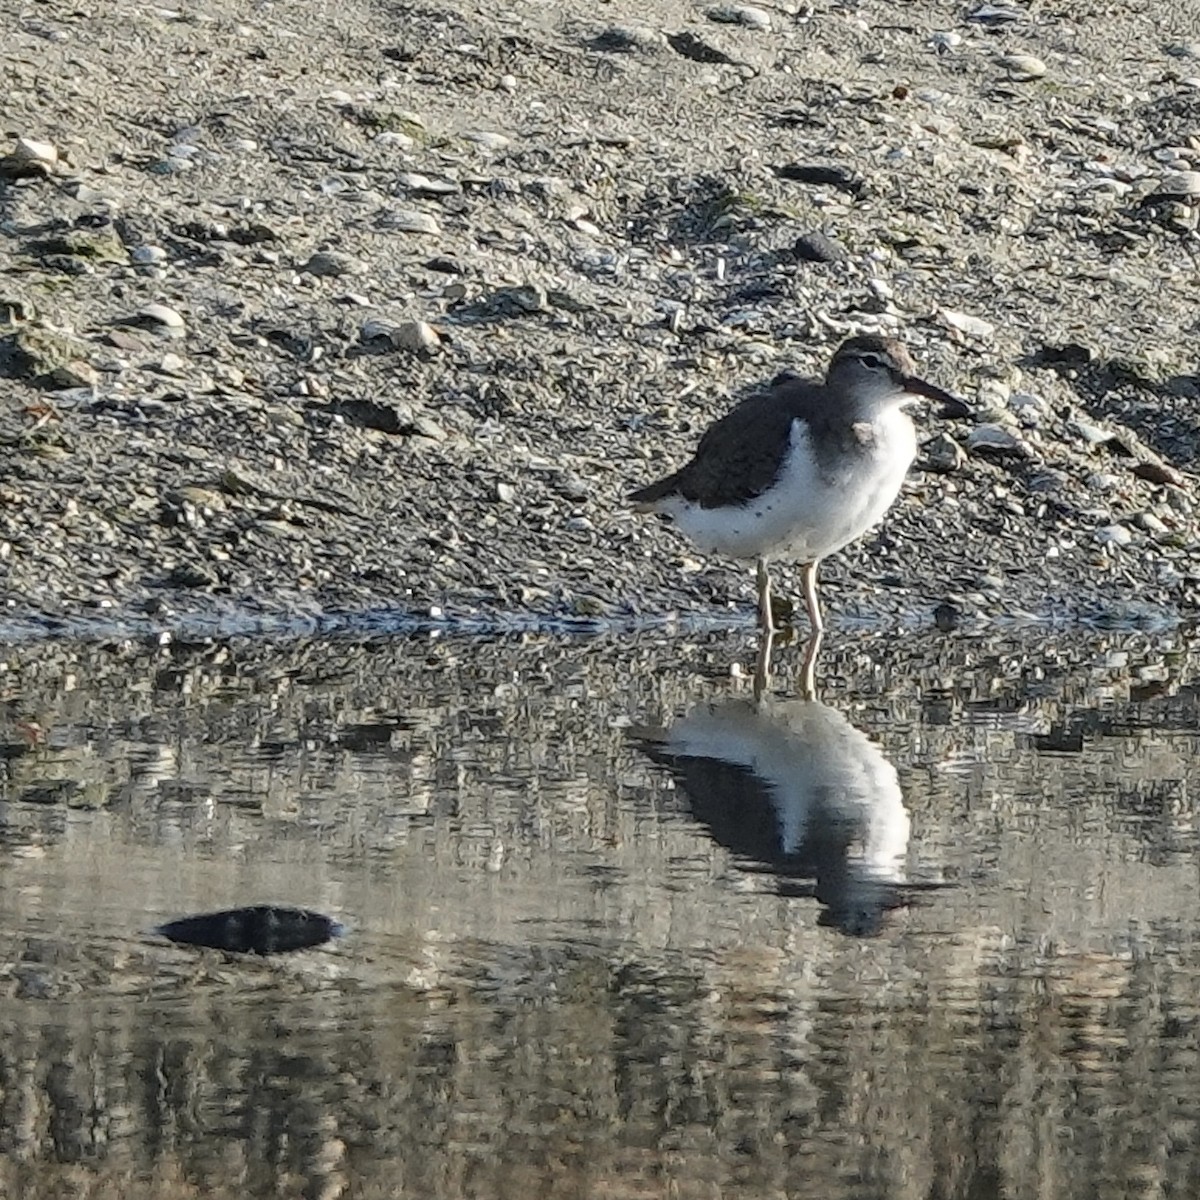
{"type": "Point", "coordinates": [385, 306]}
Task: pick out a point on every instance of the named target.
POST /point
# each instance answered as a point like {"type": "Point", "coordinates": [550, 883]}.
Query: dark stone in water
{"type": "Point", "coordinates": [259, 929]}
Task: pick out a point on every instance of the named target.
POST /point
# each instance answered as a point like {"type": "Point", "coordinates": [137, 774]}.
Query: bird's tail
{"type": "Point", "coordinates": [650, 498]}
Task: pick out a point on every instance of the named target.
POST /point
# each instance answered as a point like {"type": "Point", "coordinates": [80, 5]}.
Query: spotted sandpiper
{"type": "Point", "coordinates": [792, 788]}
{"type": "Point", "coordinates": [802, 469]}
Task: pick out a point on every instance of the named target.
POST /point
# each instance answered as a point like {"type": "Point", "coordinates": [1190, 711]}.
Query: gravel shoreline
{"type": "Point", "coordinates": [302, 320]}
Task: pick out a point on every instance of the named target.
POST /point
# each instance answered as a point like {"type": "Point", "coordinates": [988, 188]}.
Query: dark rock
{"type": "Point", "coordinates": [818, 247]}
{"type": "Point", "coordinates": [259, 929]}
{"type": "Point", "coordinates": [840, 178]}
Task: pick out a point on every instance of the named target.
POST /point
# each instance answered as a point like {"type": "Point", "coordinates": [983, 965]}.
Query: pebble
{"type": "Point", "coordinates": [415, 182]}
{"type": "Point", "coordinates": [1158, 472]}
{"type": "Point", "coordinates": [161, 315]}
{"type": "Point", "coordinates": [1029, 408]}
{"type": "Point", "coordinates": [943, 41]}
{"type": "Point", "coordinates": [487, 139]}
{"type": "Point", "coordinates": [393, 137]}
{"type": "Point", "coordinates": [148, 256]}
{"type": "Point", "coordinates": [332, 263]}
{"type": "Point", "coordinates": [996, 14]}
{"type": "Point", "coordinates": [409, 220]}
{"type": "Point", "coordinates": [518, 300]}
{"type": "Point", "coordinates": [943, 454]}
{"type": "Point", "coordinates": [31, 150]}
{"type": "Point", "coordinates": [740, 14]}
{"type": "Point", "coordinates": [227, 375]}
{"type": "Point", "coordinates": [1092, 434]}
{"type": "Point", "coordinates": [1151, 524]}
{"type": "Point", "coordinates": [966, 324]}
{"type": "Point", "coordinates": [1180, 183]}
{"type": "Point", "coordinates": [505, 493]}
{"type": "Point", "coordinates": [995, 439]}
{"type": "Point", "coordinates": [627, 39]}
{"type": "Point", "coordinates": [817, 247]}
{"type": "Point", "coordinates": [75, 374]}
{"type": "Point", "coordinates": [374, 329]}
{"type": "Point", "coordinates": [417, 337]}
{"type": "Point", "coordinates": [1022, 68]}
{"type": "Point", "coordinates": [1114, 535]}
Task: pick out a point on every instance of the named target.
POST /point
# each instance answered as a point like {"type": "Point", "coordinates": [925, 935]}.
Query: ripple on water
{"type": "Point", "coordinates": [610, 925]}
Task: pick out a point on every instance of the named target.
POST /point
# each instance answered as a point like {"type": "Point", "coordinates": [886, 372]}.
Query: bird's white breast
{"type": "Point", "coordinates": [812, 509]}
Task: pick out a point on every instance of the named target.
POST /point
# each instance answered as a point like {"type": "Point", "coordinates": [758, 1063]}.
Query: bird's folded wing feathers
{"type": "Point", "coordinates": [736, 459]}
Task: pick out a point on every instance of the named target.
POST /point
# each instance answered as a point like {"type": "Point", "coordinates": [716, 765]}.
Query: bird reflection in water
{"type": "Point", "coordinates": [792, 789]}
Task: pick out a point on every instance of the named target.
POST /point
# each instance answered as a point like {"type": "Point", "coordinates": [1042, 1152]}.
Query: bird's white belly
{"type": "Point", "coordinates": [809, 513]}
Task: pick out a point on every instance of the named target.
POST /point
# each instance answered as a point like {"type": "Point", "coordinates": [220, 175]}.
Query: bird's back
{"type": "Point", "coordinates": [742, 453]}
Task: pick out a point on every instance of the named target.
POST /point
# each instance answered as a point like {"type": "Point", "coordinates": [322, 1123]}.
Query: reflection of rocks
{"type": "Point", "coordinates": [794, 789]}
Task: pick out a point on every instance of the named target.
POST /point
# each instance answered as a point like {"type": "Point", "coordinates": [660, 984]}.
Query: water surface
{"type": "Point", "coordinates": [612, 928]}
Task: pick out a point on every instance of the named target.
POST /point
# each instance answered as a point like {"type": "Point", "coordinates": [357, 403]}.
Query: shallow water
{"type": "Point", "coordinates": [611, 928]}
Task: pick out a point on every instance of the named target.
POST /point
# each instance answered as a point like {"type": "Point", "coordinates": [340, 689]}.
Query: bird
{"type": "Point", "coordinates": [793, 790]}
{"type": "Point", "coordinates": [802, 469]}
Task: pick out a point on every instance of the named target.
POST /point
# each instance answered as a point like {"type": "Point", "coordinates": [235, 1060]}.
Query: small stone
{"type": "Point", "coordinates": [31, 150]}
{"type": "Point", "coordinates": [965, 324]}
{"type": "Point", "coordinates": [1029, 408]}
{"type": "Point", "coordinates": [1158, 472]}
{"type": "Point", "coordinates": [161, 316]}
{"type": "Point", "coordinates": [1022, 68]}
{"type": "Point", "coordinates": [943, 454]}
{"type": "Point", "coordinates": [1150, 523]}
{"type": "Point", "coordinates": [148, 256]}
{"type": "Point", "coordinates": [508, 83]}
{"type": "Point", "coordinates": [947, 616]}
{"type": "Point", "coordinates": [1183, 184]}
{"type": "Point", "coordinates": [374, 329]}
{"type": "Point", "coordinates": [1092, 434]}
{"type": "Point", "coordinates": [996, 14]}
{"type": "Point", "coordinates": [331, 263]}
{"type": "Point", "coordinates": [627, 39]}
{"type": "Point", "coordinates": [487, 139]}
{"type": "Point", "coordinates": [172, 364]}
{"type": "Point", "coordinates": [817, 175]}
{"type": "Point", "coordinates": [995, 439]}
{"type": "Point", "coordinates": [423, 185]}
{"type": "Point", "coordinates": [505, 493]}
{"type": "Point", "coordinates": [520, 300]}
{"type": "Point", "coordinates": [426, 427]}
{"type": "Point", "coordinates": [228, 376]}
{"type": "Point", "coordinates": [393, 137]}
{"type": "Point", "coordinates": [740, 14]}
{"type": "Point", "coordinates": [75, 374]}
{"type": "Point", "coordinates": [409, 220]}
{"type": "Point", "coordinates": [417, 337]}
{"type": "Point", "coordinates": [45, 355]}
{"type": "Point", "coordinates": [817, 247]}
{"type": "Point", "coordinates": [30, 159]}
{"type": "Point", "coordinates": [1114, 535]}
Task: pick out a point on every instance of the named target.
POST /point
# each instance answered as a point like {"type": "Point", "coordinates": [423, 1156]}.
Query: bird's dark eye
{"type": "Point", "coordinates": [873, 361]}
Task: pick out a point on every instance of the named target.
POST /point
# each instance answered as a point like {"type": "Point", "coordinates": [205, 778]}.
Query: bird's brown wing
{"type": "Point", "coordinates": [739, 456]}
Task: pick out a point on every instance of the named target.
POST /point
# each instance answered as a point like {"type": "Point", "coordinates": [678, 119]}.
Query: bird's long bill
{"type": "Point", "coordinates": [952, 406]}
